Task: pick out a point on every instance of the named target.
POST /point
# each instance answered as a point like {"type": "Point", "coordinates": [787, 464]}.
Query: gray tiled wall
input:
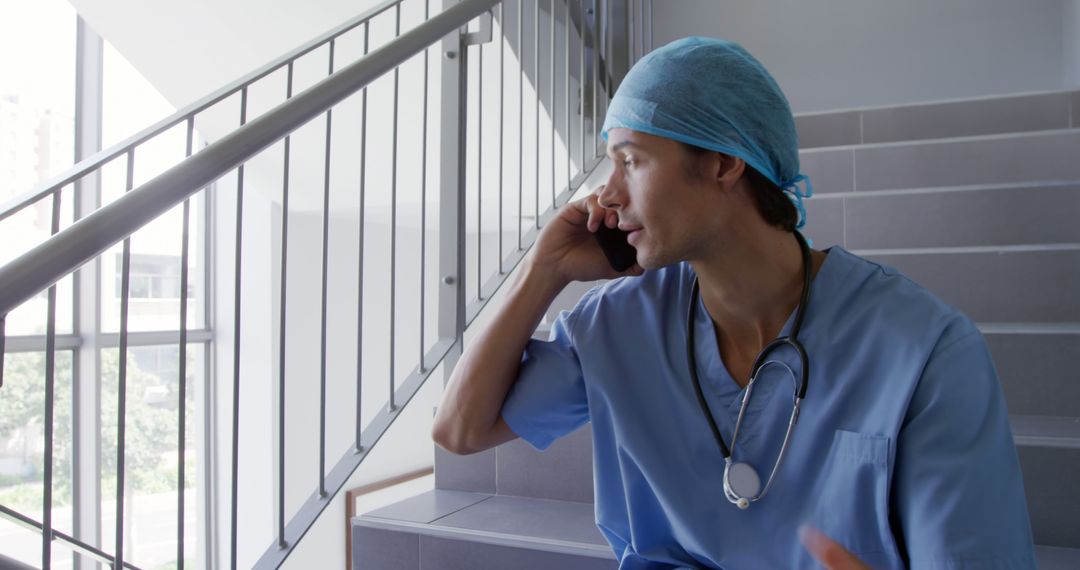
{"type": "Point", "coordinates": [444, 554]}
{"type": "Point", "coordinates": [967, 118]}
{"type": "Point", "coordinates": [1052, 494]}
{"type": "Point", "coordinates": [1000, 287]}
{"type": "Point", "coordinates": [1038, 372]}
{"type": "Point", "coordinates": [829, 170]}
{"type": "Point", "coordinates": [563, 471]}
{"type": "Point", "coordinates": [1076, 109]}
{"type": "Point", "coordinates": [1005, 216]}
{"type": "Point", "coordinates": [473, 473]}
{"type": "Point", "coordinates": [997, 115]}
{"type": "Point", "coordinates": [829, 129]}
{"type": "Point", "coordinates": [377, 549]}
{"type": "Point", "coordinates": [1019, 158]}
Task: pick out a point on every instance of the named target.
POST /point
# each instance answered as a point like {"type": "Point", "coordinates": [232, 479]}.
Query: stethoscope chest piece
{"type": "Point", "coordinates": [741, 483]}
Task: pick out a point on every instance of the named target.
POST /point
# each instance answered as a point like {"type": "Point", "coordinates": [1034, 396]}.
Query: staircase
{"type": "Point", "coordinates": [976, 200]}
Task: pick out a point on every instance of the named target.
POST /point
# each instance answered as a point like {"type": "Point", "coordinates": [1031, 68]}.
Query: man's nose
{"type": "Point", "coordinates": [610, 195]}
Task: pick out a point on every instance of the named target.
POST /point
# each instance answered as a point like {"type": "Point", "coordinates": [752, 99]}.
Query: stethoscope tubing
{"type": "Point", "coordinates": [760, 362]}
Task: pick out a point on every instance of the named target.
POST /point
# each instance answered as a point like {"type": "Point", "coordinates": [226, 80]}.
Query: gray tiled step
{"type": "Point", "coordinates": [1044, 156]}
{"type": "Point", "coordinates": [1046, 431]}
{"type": "Point", "coordinates": [998, 285]}
{"type": "Point", "coordinates": [974, 217]}
{"type": "Point", "coordinates": [1057, 558]}
{"type": "Point", "coordinates": [945, 119]}
{"type": "Point", "coordinates": [504, 532]}
{"type": "Point", "coordinates": [549, 530]}
{"type": "Point", "coordinates": [1038, 371]}
{"type": "Point", "coordinates": [1053, 496]}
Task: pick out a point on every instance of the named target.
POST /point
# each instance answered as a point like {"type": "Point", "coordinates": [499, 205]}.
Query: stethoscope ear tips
{"type": "Point", "coordinates": [743, 503]}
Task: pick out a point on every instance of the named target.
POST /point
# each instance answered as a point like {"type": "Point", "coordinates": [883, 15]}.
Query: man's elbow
{"type": "Point", "coordinates": [466, 440]}
{"type": "Point", "coordinates": [454, 441]}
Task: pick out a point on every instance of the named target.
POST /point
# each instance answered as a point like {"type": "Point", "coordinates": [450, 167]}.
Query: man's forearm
{"type": "Point", "coordinates": [469, 413]}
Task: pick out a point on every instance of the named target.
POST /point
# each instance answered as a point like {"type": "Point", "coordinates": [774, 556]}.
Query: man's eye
{"type": "Point", "coordinates": [628, 162]}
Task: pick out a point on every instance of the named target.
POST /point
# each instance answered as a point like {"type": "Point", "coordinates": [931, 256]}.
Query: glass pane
{"type": "Point", "coordinates": [37, 126]}
{"type": "Point", "coordinates": [22, 452]}
{"type": "Point", "coordinates": [131, 103]}
{"type": "Point", "coordinates": [37, 93]}
{"type": "Point", "coordinates": [151, 453]}
{"type": "Point", "coordinates": [154, 285]}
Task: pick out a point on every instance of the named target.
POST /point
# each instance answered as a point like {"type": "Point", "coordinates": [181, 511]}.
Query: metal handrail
{"type": "Point", "coordinates": [51, 260]}
{"type": "Point", "coordinates": [100, 158]}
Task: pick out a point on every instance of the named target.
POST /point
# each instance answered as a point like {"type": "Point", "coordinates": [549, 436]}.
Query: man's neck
{"type": "Point", "coordinates": [750, 287]}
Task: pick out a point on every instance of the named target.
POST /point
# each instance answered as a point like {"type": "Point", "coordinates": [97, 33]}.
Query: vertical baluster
{"type": "Point", "coordinates": [551, 98]}
{"type": "Point", "coordinates": [582, 30]}
{"type": "Point", "coordinates": [639, 18]}
{"type": "Point", "coordinates": [651, 45]}
{"type": "Point", "coordinates": [325, 266]}
{"type": "Point", "coordinates": [182, 369]}
{"type": "Point", "coordinates": [393, 219]}
{"type": "Point", "coordinates": [566, 104]}
{"type": "Point", "coordinates": [50, 401]}
{"type": "Point", "coordinates": [502, 130]}
{"type": "Point", "coordinates": [281, 340]}
{"type": "Point", "coordinates": [480, 168]}
{"type": "Point", "coordinates": [2, 339]}
{"type": "Point", "coordinates": [121, 407]}
{"type": "Point", "coordinates": [536, 90]}
{"type": "Point", "coordinates": [236, 347]}
{"type": "Point", "coordinates": [521, 117]}
{"type": "Point", "coordinates": [609, 58]}
{"type": "Point", "coordinates": [360, 255]}
{"type": "Point", "coordinates": [595, 76]}
{"type": "Point", "coordinates": [423, 194]}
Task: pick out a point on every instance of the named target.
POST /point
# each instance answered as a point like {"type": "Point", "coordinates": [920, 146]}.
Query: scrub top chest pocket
{"type": "Point", "coordinates": [853, 497]}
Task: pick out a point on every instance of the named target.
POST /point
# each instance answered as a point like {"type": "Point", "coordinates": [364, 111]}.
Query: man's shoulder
{"type": "Point", "coordinates": [652, 289]}
{"type": "Point", "coordinates": [894, 302]}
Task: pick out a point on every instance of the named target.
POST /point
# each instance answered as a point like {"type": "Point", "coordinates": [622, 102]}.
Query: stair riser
{"type": "Point", "coordinates": [1053, 495]}
{"type": "Point", "coordinates": [1029, 215]}
{"type": "Point", "coordinates": [1044, 111]}
{"type": "Point", "coordinates": [378, 549]}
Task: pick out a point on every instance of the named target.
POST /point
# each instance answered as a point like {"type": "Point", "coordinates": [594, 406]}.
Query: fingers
{"type": "Point", "coordinates": [599, 214]}
{"type": "Point", "coordinates": [828, 552]}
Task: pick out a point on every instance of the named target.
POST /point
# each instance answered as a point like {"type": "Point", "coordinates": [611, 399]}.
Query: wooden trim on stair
{"type": "Point", "coordinates": [352, 494]}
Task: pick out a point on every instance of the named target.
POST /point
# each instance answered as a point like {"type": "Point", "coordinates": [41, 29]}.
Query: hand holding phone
{"type": "Point", "coordinates": [620, 254]}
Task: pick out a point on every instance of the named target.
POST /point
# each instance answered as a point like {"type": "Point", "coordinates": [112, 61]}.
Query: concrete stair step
{"type": "Point", "coordinates": [1046, 431]}
{"type": "Point", "coordinates": [452, 529]}
{"type": "Point", "coordinates": [1042, 156]}
{"type": "Point", "coordinates": [1057, 558]}
{"type": "Point", "coordinates": [943, 119]}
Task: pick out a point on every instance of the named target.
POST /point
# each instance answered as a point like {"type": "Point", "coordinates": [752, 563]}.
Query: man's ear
{"type": "Point", "coordinates": [728, 169]}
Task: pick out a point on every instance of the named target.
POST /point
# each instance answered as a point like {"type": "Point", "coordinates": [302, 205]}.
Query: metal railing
{"type": "Point", "coordinates": [594, 35]}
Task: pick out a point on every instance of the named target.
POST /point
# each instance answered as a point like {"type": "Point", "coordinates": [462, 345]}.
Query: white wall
{"type": "Point", "coordinates": [1071, 25]}
{"type": "Point", "coordinates": [835, 54]}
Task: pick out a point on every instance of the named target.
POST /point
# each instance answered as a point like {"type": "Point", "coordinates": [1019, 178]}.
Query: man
{"type": "Point", "coordinates": [901, 454]}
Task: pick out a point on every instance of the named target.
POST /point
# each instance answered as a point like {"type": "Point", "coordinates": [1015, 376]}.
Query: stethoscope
{"type": "Point", "coordinates": [742, 484]}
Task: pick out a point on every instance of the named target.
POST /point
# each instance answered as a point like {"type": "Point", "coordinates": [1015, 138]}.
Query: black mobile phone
{"type": "Point", "coordinates": [620, 254]}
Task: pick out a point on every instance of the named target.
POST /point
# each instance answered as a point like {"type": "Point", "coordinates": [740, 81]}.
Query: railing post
{"type": "Point", "coordinates": [452, 194]}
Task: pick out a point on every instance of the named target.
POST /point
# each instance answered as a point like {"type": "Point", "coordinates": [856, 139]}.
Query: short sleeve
{"type": "Point", "coordinates": [548, 399]}
{"type": "Point", "coordinates": [957, 489]}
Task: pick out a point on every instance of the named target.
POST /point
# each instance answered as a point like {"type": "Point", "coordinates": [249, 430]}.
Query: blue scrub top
{"type": "Point", "coordinates": [902, 453]}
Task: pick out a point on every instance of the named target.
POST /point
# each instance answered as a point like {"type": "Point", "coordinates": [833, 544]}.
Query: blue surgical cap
{"type": "Point", "coordinates": [713, 94]}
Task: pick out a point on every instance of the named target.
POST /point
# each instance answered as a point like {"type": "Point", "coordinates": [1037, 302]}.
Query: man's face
{"type": "Point", "coordinates": [665, 208]}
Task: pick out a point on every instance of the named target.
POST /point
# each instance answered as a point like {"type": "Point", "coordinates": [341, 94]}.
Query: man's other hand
{"type": "Point", "coordinates": [828, 552]}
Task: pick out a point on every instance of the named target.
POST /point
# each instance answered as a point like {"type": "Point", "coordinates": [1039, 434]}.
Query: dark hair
{"type": "Point", "coordinates": [775, 208]}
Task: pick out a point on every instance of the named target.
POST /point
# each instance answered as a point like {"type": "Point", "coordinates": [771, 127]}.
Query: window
{"type": "Point", "coordinates": [38, 120]}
